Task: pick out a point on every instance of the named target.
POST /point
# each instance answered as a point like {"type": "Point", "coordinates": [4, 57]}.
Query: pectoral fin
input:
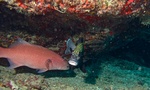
{"type": "Point", "coordinates": [48, 64]}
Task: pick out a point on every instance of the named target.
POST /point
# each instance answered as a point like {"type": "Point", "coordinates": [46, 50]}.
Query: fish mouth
{"type": "Point", "coordinates": [73, 63]}
{"type": "Point", "coordinates": [66, 67]}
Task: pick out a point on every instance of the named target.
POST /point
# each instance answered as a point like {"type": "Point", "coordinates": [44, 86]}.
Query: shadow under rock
{"type": "Point", "coordinates": [47, 74]}
{"type": "Point", "coordinates": [93, 70]}
{"type": "Point", "coordinates": [58, 73]}
{"type": "Point", "coordinates": [136, 51]}
{"type": "Point", "coordinates": [52, 73]}
{"type": "Point", "coordinates": [4, 62]}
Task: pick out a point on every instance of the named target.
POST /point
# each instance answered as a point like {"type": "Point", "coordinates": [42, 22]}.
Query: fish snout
{"type": "Point", "coordinates": [65, 66]}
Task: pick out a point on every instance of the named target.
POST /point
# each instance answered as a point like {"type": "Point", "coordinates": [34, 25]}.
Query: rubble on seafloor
{"type": "Point", "coordinates": [111, 74]}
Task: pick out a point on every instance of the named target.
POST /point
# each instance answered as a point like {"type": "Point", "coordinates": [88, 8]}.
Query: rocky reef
{"type": "Point", "coordinates": [119, 28]}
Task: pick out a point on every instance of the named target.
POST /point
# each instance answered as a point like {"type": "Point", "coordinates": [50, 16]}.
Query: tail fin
{"type": "Point", "coordinates": [2, 52]}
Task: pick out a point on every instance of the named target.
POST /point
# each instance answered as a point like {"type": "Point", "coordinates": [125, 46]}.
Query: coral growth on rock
{"type": "Point", "coordinates": [97, 7]}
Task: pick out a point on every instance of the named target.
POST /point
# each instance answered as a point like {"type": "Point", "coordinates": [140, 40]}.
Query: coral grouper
{"type": "Point", "coordinates": [22, 53]}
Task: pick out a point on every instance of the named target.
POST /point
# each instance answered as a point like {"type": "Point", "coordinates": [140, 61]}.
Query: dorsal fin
{"type": "Point", "coordinates": [18, 42]}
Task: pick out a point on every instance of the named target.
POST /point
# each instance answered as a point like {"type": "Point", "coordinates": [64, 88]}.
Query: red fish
{"type": "Point", "coordinates": [22, 53]}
